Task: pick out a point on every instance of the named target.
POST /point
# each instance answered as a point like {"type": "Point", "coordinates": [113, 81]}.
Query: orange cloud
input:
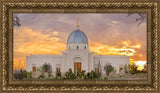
{"type": "Point", "coordinates": [29, 42]}
{"type": "Point", "coordinates": [123, 48]}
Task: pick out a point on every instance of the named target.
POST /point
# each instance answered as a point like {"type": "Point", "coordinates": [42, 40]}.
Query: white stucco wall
{"type": "Point", "coordinates": [115, 60]}
{"type": "Point", "coordinates": [67, 58]}
{"type": "Point", "coordinates": [39, 60]}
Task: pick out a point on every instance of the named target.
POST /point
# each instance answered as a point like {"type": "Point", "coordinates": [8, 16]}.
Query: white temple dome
{"type": "Point", "coordinates": [77, 37]}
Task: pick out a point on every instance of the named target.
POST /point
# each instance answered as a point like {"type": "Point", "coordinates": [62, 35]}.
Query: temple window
{"type": "Point", "coordinates": [58, 69]}
{"type": "Point", "coordinates": [58, 72]}
{"type": "Point", "coordinates": [77, 47]}
{"type": "Point", "coordinates": [96, 70]}
{"type": "Point", "coordinates": [120, 68]}
{"type": "Point", "coordinates": [34, 68]}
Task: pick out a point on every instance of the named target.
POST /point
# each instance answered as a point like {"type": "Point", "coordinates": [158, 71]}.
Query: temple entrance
{"type": "Point", "coordinates": [77, 65]}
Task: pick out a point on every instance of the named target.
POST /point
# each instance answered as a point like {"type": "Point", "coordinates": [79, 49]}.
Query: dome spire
{"type": "Point", "coordinates": [77, 24]}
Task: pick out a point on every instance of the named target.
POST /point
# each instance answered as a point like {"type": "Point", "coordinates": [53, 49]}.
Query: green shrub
{"type": "Point", "coordinates": [73, 76]}
{"type": "Point", "coordinates": [29, 74]}
{"type": "Point", "coordinates": [24, 73]}
{"type": "Point", "coordinates": [105, 78]}
{"type": "Point", "coordinates": [81, 75]}
{"type": "Point", "coordinates": [108, 68]}
{"type": "Point", "coordinates": [41, 76]}
{"type": "Point", "coordinates": [70, 75]}
{"type": "Point", "coordinates": [57, 78]}
{"type": "Point", "coordinates": [58, 74]}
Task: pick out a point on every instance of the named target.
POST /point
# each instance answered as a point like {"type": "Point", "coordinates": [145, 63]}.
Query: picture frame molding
{"type": "Point", "coordinates": [9, 7]}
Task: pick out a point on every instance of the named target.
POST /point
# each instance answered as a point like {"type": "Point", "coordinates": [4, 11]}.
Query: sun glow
{"type": "Point", "coordinates": [140, 64]}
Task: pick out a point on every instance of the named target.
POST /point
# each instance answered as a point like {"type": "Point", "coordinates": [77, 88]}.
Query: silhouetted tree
{"type": "Point", "coordinates": [145, 68]}
{"type": "Point", "coordinates": [133, 68]}
{"type": "Point", "coordinates": [141, 17]}
{"type": "Point", "coordinates": [16, 21]}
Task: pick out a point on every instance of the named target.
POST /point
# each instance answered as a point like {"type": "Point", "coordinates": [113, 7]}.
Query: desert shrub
{"type": "Point", "coordinates": [108, 68]}
{"type": "Point", "coordinates": [81, 75]}
{"type": "Point", "coordinates": [50, 74]}
{"type": "Point", "coordinates": [133, 68]}
{"type": "Point", "coordinates": [57, 78]}
{"type": "Point", "coordinates": [18, 75]}
{"type": "Point", "coordinates": [58, 74]}
{"type": "Point", "coordinates": [88, 75]}
{"type": "Point", "coordinates": [105, 78]}
{"type": "Point", "coordinates": [78, 72]}
{"type": "Point", "coordinates": [41, 76]}
{"type": "Point", "coordinates": [125, 68]}
{"type": "Point", "coordinates": [29, 74]}
{"type": "Point", "coordinates": [70, 75]}
{"type": "Point", "coordinates": [92, 75]}
{"type": "Point", "coordinates": [46, 68]}
{"type": "Point", "coordinates": [24, 73]}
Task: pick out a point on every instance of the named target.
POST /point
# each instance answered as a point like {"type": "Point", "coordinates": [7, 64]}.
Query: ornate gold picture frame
{"type": "Point", "coordinates": [52, 6]}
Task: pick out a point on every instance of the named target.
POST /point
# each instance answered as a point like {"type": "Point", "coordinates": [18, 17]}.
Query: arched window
{"type": "Point", "coordinates": [77, 47]}
{"type": "Point", "coordinates": [85, 47]}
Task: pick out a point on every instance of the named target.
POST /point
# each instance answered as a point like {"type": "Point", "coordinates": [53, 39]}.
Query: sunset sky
{"type": "Point", "coordinates": [108, 34]}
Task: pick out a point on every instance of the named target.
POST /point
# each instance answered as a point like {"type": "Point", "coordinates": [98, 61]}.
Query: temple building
{"type": "Point", "coordinates": [76, 55]}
